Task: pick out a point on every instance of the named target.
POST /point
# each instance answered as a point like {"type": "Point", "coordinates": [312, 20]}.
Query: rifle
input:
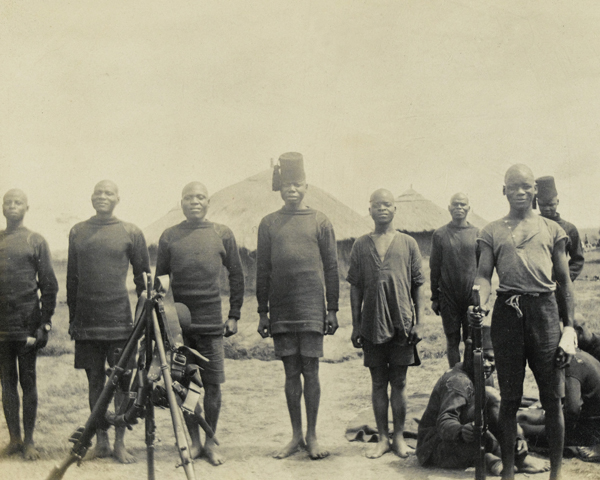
{"type": "Point", "coordinates": [480, 424]}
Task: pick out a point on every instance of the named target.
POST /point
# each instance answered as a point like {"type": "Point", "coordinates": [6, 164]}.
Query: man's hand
{"type": "Point", "coordinates": [331, 323]}
{"type": "Point", "coordinates": [264, 326]}
{"type": "Point", "coordinates": [230, 327]}
{"type": "Point", "coordinates": [41, 338]}
{"type": "Point", "coordinates": [476, 314]}
{"type": "Point", "coordinates": [356, 338]}
{"type": "Point", "coordinates": [467, 432]}
{"type": "Point", "coordinates": [416, 334]}
{"type": "Point", "coordinates": [435, 307]}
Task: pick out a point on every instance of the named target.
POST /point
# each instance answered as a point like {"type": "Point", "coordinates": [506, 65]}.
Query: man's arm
{"type": "Point", "coordinates": [263, 278]}
{"type": "Point", "coordinates": [418, 297]}
{"type": "Point", "coordinates": [484, 273]}
{"type": "Point", "coordinates": [48, 286]}
{"type": "Point", "coordinates": [233, 264]}
{"type": "Point", "coordinates": [328, 250]}
{"type": "Point", "coordinates": [576, 258]}
{"type": "Point", "coordinates": [356, 300]}
{"type": "Point", "coordinates": [140, 260]}
{"type": "Point", "coordinates": [72, 277]}
{"type": "Point", "coordinates": [564, 292]}
{"type": "Point", "coordinates": [435, 266]}
{"type": "Point", "coordinates": [454, 402]}
{"type": "Point", "coordinates": [573, 404]}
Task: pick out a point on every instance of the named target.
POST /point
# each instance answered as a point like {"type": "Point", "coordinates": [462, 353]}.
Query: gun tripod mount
{"type": "Point", "coordinates": [162, 354]}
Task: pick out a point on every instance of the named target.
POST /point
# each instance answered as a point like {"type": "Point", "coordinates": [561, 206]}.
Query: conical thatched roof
{"type": "Point", "coordinates": [243, 205]}
{"type": "Point", "coordinates": [416, 214]}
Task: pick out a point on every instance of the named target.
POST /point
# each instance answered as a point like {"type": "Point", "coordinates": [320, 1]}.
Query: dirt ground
{"type": "Point", "coordinates": [254, 423]}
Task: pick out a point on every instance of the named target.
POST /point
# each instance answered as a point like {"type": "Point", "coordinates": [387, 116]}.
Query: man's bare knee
{"type": "Point", "coordinates": [453, 340]}
{"type": "Point", "coordinates": [397, 376]}
{"type": "Point", "coordinates": [292, 365]}
{"type": "Point", "coordinates": [310, 367]}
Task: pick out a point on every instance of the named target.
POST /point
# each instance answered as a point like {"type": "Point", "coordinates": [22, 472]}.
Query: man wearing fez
{"type": "Point", "coordinates": [453, 265]}
{"type": "Point", "coordinates": [386, 277]}
{"type": "Point", "coordinates": [100, 251]}
{"type": "Point", "coordinates": [193, 254]}
{"type": "Point", "coordinates": [25, 268]}
{"type": "Point", "coordinates": [547, 200]}
{"type": "Point", "coordinates": [296, 252]}
{"type": "Point", "coordinates": [528, 252]}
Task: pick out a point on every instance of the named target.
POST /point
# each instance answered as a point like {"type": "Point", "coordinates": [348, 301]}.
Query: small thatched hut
{"type": "Point", "coordinates": [419, 218]}
{"type": "Point", "coordinates": [243, 205]}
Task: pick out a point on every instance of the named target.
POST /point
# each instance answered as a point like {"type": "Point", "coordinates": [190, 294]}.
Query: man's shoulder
{"type": "Point", "coordinates": [271, 217]}
{"type": "Point", "coordinates": [439, 232]}
{"type": "Point", "coordinates": [131, 228]}
{"type": "Point", "coordinates": [223, 230]}
{"type": "Point", "coordinates": [457, 380]}
{"type": "Point", "coordinates": [568, 226]}
{"type": "Point", "coordinates": [406, 239]}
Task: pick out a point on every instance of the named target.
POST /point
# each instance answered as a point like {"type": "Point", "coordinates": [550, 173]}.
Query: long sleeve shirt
{"type": "Point", "coordinates": [100, 252]}
{"type": "Point", "coordinates": [386, 285]}
{"type": "Point", "coordinates": [194, 256]}
{"type": "Point", "coordinates": [453, 263]}
{"type": "Point", "coordinates": [574, 247]}
{"type": "Point", "coordinates": [296, 261]}
{"type": "Point", "coordinates": [25, 268]}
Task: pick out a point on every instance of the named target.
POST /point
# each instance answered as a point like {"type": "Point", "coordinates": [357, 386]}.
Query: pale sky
{"type": "Point", "coordinates": [440, 95]}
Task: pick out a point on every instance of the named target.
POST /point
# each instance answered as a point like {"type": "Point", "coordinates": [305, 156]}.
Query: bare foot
{"type": "Point", "coordinates": [400, 448]}
{"type": "Point", "coordinates": [11, 449]}
{"type": "Point", "coordinates": [379, 449]}
{"type": "Point", "coordinates": [211, 451]}
{"type": "Point", "coordinates": [122, 455]}
{"type": "Point", "coordinates": [494, 464]}
{"type": "Point", "coordinates": [533, 465]}
{"type": "Point", "coordinates": [102, 448]}
{"type": "Point", "coordinates": [294, 446]}
{"type": "Point", "coordinates": [315, 452]}
{"type": "Point", "coordinates": [30, 452]}
{"type": "Point", "coordinates": [195, 450]}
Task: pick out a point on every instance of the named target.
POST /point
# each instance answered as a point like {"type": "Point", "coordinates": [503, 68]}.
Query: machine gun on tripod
{"type": "Point", "coordinates": [164, 356]}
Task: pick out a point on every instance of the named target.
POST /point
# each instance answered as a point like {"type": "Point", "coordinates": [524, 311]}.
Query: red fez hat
{"type": "Point", "coordinates": [546, 188]}
{"type": "Point", "coordinates": [290, 169]}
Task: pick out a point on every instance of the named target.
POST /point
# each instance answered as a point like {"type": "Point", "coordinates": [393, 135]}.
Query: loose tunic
{"type": "Point", "coordinates": [194, 256]}
{"type": "Point", "coordinates": [100, 252]}
{"type": "Point", "coordinates": [386, 286]}
{"type": "Point", "coordinates": [296, 258]}
{"type": "Point", "coordinates": [25, 268]}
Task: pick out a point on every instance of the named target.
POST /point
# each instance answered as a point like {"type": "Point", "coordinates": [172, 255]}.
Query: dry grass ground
{"type": "Point", "coordinates": [254, 420]}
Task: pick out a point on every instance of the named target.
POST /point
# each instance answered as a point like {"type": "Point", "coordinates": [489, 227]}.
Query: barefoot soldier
{"type": "Point", "coordinates": [25, 268]}
{"type": "Point", "coordinates": [296, 249]}
{"type": "Point", "coordinates": [193, 253]}
{"type": "Point", "coordinates": [453, 264]}
{"type": "Point", "coordinates": [100, 251]}
{"type": "Point", "coordinates": [386, 297]}
{"type": "Point", "coordinates": [526, 249]}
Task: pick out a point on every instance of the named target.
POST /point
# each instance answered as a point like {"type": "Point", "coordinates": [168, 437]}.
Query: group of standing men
{"type": "Point", "coordinates": [298, 291]}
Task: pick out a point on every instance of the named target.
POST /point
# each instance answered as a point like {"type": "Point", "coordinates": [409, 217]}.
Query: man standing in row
{"type": "Point", "coordinates": [193, 254]}
{"type": "Point", "coordinates": [386, 277]}
{"type": "Point", "coordinates": [453, 264]}
{"type": "Point", "coordinates": [25, 268]}
{"type": "Point", "coordinates": [100, 251]}
{"type": "Point", "coordinates": [547, 199]}
{"type": "Point", "coordinates": [296, 249]}
{"type": "Point", "coordinates": [528, 252]}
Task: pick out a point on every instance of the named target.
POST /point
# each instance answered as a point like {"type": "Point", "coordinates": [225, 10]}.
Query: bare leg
{"type": "Point", "coordinates": [293, 394]}
{"type": "Point", "coordinates": [194, 431]}
{"type": "Point", "coordinates": [379, 397]}
{"type": "Point", "coordinates": [508, 438]}
{"type": "Point", "coordinates": [212, 408]}
{"type": "Point", "coordinates": [555, 431]}
{"type": "Point", "coordinates": [11, 404]}
{"type": "Point", "coordinates": [398, 400]}
{"type": "Point", "coordinates": [96, 385]}
{"type": "Point", "coordinates": [312, 398]}
{"type": "Point", "coordinates": [120, 452]}
{"type": "Point", "coordinates": [30, 402]}
{"type": "Point", "coordinates": [453, 348]}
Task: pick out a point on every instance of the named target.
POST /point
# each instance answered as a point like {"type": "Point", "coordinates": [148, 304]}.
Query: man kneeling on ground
{"type": "Point", "coordinates": [446, 435]}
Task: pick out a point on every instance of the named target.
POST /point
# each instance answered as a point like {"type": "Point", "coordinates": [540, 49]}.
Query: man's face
{"type": "Point", "coordinates": [14, 206]}
{"type": "Point", "coordinates": [105, 197]}
{"type": "Point", "coordinates": [194, 202]}
{"type": "Point", "coordinates": [293, 193]}
{"type": "Point", "coordinates": [459, 207]}
{"type": "Point", "coordinates": [382, 207]}
{"type": "Point", "coordinates": [548, 207]}
{"type": "Point", "coordinates": [584, 335]}
{"type": "Point", "coordinates": [520, 188]}
{"type": "Point", "coordinates": [489, 363]}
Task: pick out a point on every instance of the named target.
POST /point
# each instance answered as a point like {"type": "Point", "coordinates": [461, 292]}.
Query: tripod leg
{"type": "Point", "coordinates": [176, 416]}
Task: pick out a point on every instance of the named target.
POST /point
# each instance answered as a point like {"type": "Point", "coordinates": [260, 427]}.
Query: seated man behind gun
{"type": "Point", "coordinates": [446, 435]}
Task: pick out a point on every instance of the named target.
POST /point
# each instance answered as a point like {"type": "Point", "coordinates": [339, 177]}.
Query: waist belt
{"type": "Point", "coordinates": [514, 298]}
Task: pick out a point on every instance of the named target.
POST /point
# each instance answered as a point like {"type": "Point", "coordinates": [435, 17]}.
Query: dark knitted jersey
{"type": "Point", "coordinates": [453, 263]}
{"type": "Point", "coordinates": [194, 255]}
{"type": "Point", "coordinates": [25, 268]}
{"type": "Point", "coordinates": [100, 252]}
{"type": "Point", "coordinates": [574, 247]}
{"type": "Point", "coordinates": [296, 258]}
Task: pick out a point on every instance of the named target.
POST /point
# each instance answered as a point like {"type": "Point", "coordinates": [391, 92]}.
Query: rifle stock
{"type": "Point", "coordinates": [479, 384]}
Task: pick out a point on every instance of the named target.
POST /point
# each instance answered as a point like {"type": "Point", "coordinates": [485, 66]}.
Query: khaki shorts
{"type": "Point", "coordinates": [210, 346]}
{"type": "Point", "coordinates": [94, 354]}
{"type": "Point", "coordinates": [307, 344]}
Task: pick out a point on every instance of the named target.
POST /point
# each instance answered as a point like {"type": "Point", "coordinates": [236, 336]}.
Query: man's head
{"type": "Point", "coordinates": [459, 207]}
{"type": "Point", "coordinates": [382, 206]}
{"type": "Point", "coordinates": [292, 178]}
{"type": "Point", "coordinates": [519, 187]}
{"type": "Point", "coordinates": [194, 201]}
{"type": "Point", "coordinates": [105, 197]}
{"type": "Point", "coordinates": [489, 361]}
{"type": "Point", "coordinates": [14, 205]}
{"type": "Point", "coordinates": [547, 196]}
{"type": "Point", "coordinates": [584, 335]}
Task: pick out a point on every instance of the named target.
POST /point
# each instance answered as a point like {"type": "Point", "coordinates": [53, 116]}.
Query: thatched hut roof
{"type": "Point", "coordinates": [416, 214]}
{"type": "Point", "coordinates": [242, 206]}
